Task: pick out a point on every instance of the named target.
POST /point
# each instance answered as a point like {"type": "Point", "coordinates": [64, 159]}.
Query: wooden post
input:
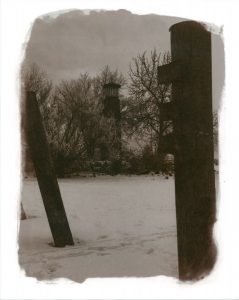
{"type": "Point", "coordinates": [193, 147]}
{"type": "Point", "coordinates": [46, 177]}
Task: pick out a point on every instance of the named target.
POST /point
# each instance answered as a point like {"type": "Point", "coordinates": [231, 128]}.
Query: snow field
{"type": "Point", "coordinates": [121, 225]}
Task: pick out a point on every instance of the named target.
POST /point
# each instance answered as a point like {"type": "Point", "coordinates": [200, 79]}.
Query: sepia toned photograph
{"type": "Point", "coordinates": [119, 135]}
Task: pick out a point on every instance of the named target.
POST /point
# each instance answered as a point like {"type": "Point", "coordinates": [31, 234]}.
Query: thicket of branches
{"type": "Point", "coordinates": [147, 96]}
{"type": "Point", "coordinates": [72, 117]}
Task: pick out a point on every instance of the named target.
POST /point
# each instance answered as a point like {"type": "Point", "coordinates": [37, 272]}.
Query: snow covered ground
{"type": "Point", "coordinates": [121, 225]}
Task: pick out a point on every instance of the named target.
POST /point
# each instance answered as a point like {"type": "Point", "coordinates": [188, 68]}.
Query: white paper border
{"type": "Point", "coordinates": [16, 19]}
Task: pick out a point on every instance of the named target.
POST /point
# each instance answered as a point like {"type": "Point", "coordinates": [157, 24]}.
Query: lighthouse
{"type": "Point", "coordinates": [111, 109]}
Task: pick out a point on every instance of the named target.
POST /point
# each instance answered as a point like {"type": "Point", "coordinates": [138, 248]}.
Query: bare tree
{"type": "Point", "coordinates": [36, 80]}
{"type": "Point", "coordinates": [73, 129]}
{"type": "Point", "coordinates": [147, 96]}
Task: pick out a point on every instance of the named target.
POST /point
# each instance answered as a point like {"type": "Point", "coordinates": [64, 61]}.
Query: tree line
{"type": "Point", "coordinates": [76, 128]}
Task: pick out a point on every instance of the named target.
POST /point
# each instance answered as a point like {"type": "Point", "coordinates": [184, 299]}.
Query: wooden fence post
{"type": "Point", "coordinates": [46, 177]}
{"type": "Point", "coordinates": [191, 75]}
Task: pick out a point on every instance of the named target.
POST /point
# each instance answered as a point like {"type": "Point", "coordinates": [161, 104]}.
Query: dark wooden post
{"type": "Point", "coordinates": [46, 177]}
{"type": "Point", "coordinates": [191, 75]}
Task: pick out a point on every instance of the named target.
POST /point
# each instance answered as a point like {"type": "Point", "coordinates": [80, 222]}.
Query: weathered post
{"type": "Point", "coordinates": [46, 177]}
{"type": "Point", "coordinates": [191, 75]}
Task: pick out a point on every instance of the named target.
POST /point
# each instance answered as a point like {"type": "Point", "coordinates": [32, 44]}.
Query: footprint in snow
{"type": "Point", "coordinates": [150, 251]}
{"type": "Point", "coordinates": [103, 254]}
{"type": "Point", "coordinates": [52, 267]}
{"type": "Point", "coordinates": [102, 237]}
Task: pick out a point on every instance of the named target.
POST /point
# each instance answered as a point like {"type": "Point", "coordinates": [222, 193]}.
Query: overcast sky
{"type": "Point", "coordinates": [67, 44]}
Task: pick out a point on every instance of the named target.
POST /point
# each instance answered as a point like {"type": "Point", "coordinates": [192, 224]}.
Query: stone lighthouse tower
{"type": "Point", "coordinates": [111, 100]}
{"type": "Point", "coordinates": [111, 109]}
